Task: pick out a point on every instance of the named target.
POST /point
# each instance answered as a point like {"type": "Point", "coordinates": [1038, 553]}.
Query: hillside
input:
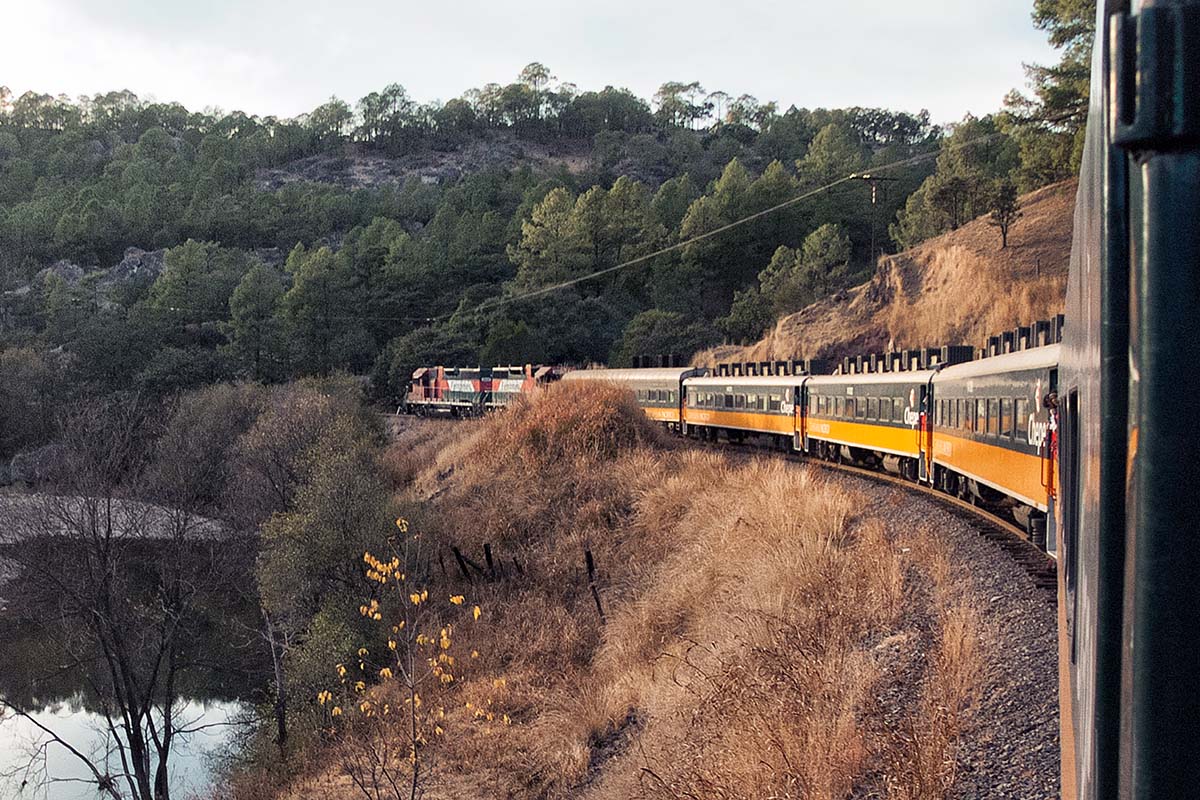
{"type": "Point", "coordinates": [957, 288]}
{"type": "Point", "coordinates": [628, 618]}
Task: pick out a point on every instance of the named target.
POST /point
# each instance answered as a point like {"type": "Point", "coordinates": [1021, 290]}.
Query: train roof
{"type": "Point", "coordinates": [747, 380]}
{"type": "Point", "coordinates": [869, 378]}
{"type": "Point", "coordinates": [629, 375]}
{"type": "Point", "coordinates": [1034, 358]}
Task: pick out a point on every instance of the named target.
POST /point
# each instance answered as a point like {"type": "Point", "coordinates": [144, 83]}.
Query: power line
{"type": "Point", "coordinates": [488, 305]}
{"type": "Point", "coordinates": [494, 303]}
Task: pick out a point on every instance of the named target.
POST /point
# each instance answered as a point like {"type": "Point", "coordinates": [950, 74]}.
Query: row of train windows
{"type": "Point", "coordinates": [658, 396]}
{"type": "Point", "coordinates": [749, 402]}
{"type": "Point", "coordinates": [1001, 417]}
{"type": "Point", "coordinates": [881, 409]}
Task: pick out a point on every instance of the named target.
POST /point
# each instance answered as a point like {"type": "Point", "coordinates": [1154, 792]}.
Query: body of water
{"type": "Point", "coordinates": [51, 772]}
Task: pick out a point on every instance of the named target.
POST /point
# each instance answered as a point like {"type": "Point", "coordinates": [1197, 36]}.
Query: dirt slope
{"type": "Point", "coordinates": [956, 289]}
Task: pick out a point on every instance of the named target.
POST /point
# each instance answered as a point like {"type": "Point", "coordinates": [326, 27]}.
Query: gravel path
{"type": "Point", "coordinates": [1011, 747]}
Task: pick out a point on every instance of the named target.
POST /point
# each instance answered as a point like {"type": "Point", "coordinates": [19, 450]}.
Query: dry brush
{"type": "Point", "coordinates": [742, 635]}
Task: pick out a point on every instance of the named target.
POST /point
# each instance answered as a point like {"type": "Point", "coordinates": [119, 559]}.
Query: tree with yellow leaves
{"type": "Point", "coordinates": [422, 658]}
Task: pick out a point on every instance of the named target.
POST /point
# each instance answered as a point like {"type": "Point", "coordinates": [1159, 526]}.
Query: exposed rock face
{"type": "Point", "coordinates": [357, 170]}
{"type": "Point", "coordinates": [137, 265]}
{"type": "Point", "coordinates": [70, 272]}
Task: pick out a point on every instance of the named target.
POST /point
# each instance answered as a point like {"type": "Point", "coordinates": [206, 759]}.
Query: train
{"type": "Point", "coordinates": [1086, 431]}
{"type": "Point", "coordinates": [472, 391]}
{"type": "Point", "coordinates": [981, 428]}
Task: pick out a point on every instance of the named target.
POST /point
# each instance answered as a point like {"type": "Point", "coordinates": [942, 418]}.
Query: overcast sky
{"type": "Point", "coordinates": [284, 57]}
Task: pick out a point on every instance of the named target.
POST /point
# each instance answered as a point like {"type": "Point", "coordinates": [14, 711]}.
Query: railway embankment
{"type": "Point", "coordinates": [659, 621]}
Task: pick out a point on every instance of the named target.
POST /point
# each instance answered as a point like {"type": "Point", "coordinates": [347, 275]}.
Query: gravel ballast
{"type": "Point", "coordinates": [1010, 746]}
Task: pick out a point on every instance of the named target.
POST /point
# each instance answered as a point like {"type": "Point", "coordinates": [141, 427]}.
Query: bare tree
{"type": "Point", "coordinates": [119, 587]}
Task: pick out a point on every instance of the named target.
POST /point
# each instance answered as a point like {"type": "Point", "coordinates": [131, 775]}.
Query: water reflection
{"type": "Point", "coordinates": [50, 772]}
{"type": "Point", "coordinates": [93, 625]}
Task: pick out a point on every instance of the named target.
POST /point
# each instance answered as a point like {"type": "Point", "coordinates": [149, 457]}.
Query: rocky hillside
{"type": "Point", "coordinates": [956, 289]}
{"type": "Point", "coordinates": [358, 168]}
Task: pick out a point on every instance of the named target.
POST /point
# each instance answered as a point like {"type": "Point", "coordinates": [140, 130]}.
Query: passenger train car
{"type": "Point", "coordinates": [659, 392]}
{"type": "Point", "coordinates": [741, 405]}
{"type": "Point", "coordinates": [876, 419]}
{"type": "Point", "coordinates": [994, 428]}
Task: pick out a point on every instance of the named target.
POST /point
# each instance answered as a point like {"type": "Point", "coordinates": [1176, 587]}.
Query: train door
{"type": "Point", "coordinates": [1052, 469]}
{"type": "Point", "coordinates": [683, 405]}
{"type": "Point", "coordinates": [925, 433]}
{"type": "Point", "coordinates": [800, 417]}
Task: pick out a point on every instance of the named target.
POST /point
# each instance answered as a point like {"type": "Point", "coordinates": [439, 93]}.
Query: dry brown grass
{"type": "Point", "coordinates": [745, 601]}
{"type": "Point", "coordinates": [415, 443]}
{"type": "Point", "coordinates": [958, 288]}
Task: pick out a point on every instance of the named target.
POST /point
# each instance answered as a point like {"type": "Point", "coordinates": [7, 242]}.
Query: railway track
{"type": "Point", "coordinates": [1041, 568]}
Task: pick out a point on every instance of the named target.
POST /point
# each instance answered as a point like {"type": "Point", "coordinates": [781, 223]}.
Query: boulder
{"type": "Point", "coordinates": [137, 266]}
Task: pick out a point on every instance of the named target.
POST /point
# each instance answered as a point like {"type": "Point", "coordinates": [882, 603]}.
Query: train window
{"type": "Point", "coordinates": [728, 401]}
{"type": "Point", "coordinates": [1022, 419]}
{"type": "Point", "coordinates": [885, 410]}
{"type": "Point", "coordinates": [775, 403]}
{"type": "Point", "coordinates": [872, 408]}
{"type": "Point", "coordinates": [739, 401]}
{"type": "Point", "coordinates": [837, 406]}
{"type": "Point", "coordinates": [860, 409]}
{"type": "Point", "coordinates": [1006, 417]}
{"type": "Point", "coordinates": [981, 416]}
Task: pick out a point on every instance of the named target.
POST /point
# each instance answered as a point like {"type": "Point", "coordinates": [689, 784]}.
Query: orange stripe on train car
{"type": "Point", "coordinates": [1010, 471]}
{"type": "Point", "coordinates": [744, 420]}
{"type": "Point", "coordinates": [901, 441]}
{"type": "Point", "coordinates": [659, 414]}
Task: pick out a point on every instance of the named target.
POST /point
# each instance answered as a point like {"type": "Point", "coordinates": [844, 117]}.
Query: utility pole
{"type": "Point", "coordinates": [874, 181]}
